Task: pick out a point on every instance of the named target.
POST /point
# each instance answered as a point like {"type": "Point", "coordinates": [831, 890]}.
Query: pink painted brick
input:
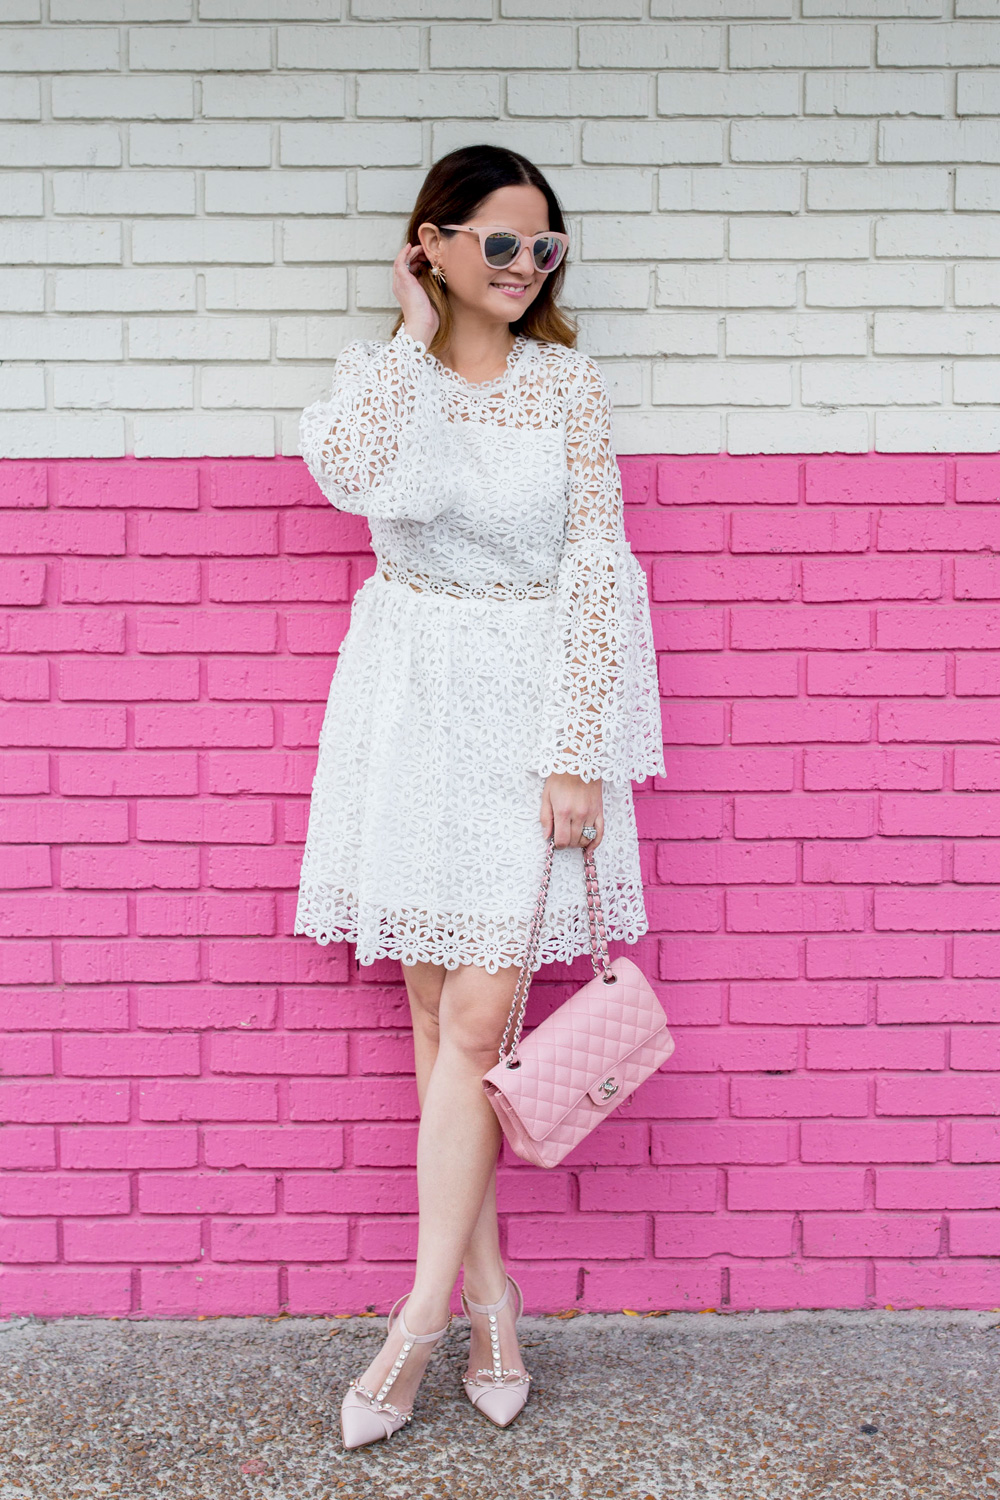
{"type": "Point", "coordinates": [962, 1284]}
{"type": "Point", "coordinates": [210, 1291]}
{"type": "Point", "coordinates": [688, 629]}
{"type": "Point", "coordinates": [92, 679]}
{"type": "Point", "coordinates": [26, 963]}
{"type": "Point", "coordinates": [63, 915]}
{"type": "Point", "coordinates": [208, 725]}
{"type": "Point", "coordinates": [232, 771]}
{"type": "Point", "coordinates": [127, 1147]}
{"type": "Point", "coordinates": [725, 770]}
{"type": "Point", "coordinates": [873, 862]}
{"type": "Point", "coordinates": [252, 1006]}
{"type": "Point", "coordinates": [594, 1237]}
{"type": "Point", "coordinates": [222, 1192]}
{"type": "Point", "coordinates": [799, 1004]}
{"type": "Point", "coordinates": [61, 1193]}
{"type": "Point", "coordinates": [277, 1146]}
{"type": "Point", "coordinates": [903, 674]}
{"type": "Point", "coordinates": [798, 629]}
{"type": "Point", "coordinates": [136, 1056]}
{"type": "Point", "coordinates": [645, 1189]}
{"type": "Point", "coordinates": [30, 1146]}
{"type": "Point", "coordinates": [974, 957]}
{"type": "Point", "coordinates": [282, 579]}
{"type": "Point", "coordinates": [158, 534]}
{"type": "Point", "coordinates": [95, 868]}
{"type": "Point", "coordinates": [955, 1094]}
{"type": "Point", "coordinates": [937, 910]}
{"type": "Point", "coordinates": [65, 1293]}
{"type": "Point", "coordinates": [53, 822]}
{"type": "Point", "coordinates": [692, 723]}
{"type": "Point", "coordinates": [209, 1099]}
{"type": "Point", "coordinates": [771, 722]}
{"type": "Point", "coordinates": [858, 770]}
{"type": "Point", "coordinates": [387, 1238]}
{"type": "Point", "coordinates": [769, 1187]}
{"type": "Point", "coordinates": [771, 480]}
{"type": "Point", "coordinates": [276, 962]}
{"type": "Point", "coordinates": [31, 1240]}
{"type": "Point", "coordinates": [368, 1005]}
{"type": "Point", "coordinates": [277, 1053]}
{"type": "Point", "coordinates": [859, 1048]}
{"type": "Point", "coordinates": [63, 534]}
{"type": "Point", "coordinates": [660, 1288]}
{"type": "Point", "coordinates": [95, 483]}
{"type": "Point", "coordinates": [38, 1103]}
{"type": "Point", "coordinates": [25, 1054]}
{"type": "Point", "coordinates": [830, 578]}
{"type": "Point", "coordinates": [937, 721]}
{"type": "Point", "coordinates": [206, 631]}
{"type": "Point", "coordinates": [617, 1144]}
{"type": "Point", "coordinates": [701, 1235]}
{"type": "Point", "coordinates": [522, 1192]}
{"type": "Point", "coordinates": [724, 863]}
{"type": "Point", "coordinates": [977, 769]}
{"type": "Point", "coordinates": [803, 910]}
{"type": "Point", "coordinates": [937, 1187]}
{"type": "Point", "coordinates": [22, 582]}
{"type": "Point", "coordinates": [975, 1140]}
{"type": "Point", "coordinates": [804, 817]}
{"type": "Point", "coordinates": [723, 578]}
{"type": "Point", "coordinates": [868, 1140]}
{"type": "Point", "coordinates": [831, 1235]}
{"type": "Point", "coordinates": [974, 1234]}
{"type": "Point", "coordinates": [384, 1145]}
{"type": "Point", "coordinates": [795, 1097]}
{"type": "Point", "coordinates": [732, 1050]}
{"type": "Point", "coordinates": [117, 963]}
{"type": "Point", "coordinates": [722, 1142]}
{"type": "Point", "coordinates": [352, 1099]}
{"type": "Point", "coordinates": [797, 1284]}
{"type": "Point", "coordinates": [875, 958]}
{"type": "Point", "coordinates": [799, 531]}
{"type": "Point", "coordinates": [692, 674]}
{"type": "Point", "coordinates": [736, 958]}
{"type": "Point", "coordinates": [132, 580]}
{"type": "Point", "coordinates": [700, 1097]}
{"type": "Point", "coordinates": [131, 1240]}
{"type": "Point", "coordinates": [355, 1192]}
{"type": "Point", "coordinates": [145, 775]}
{"type": "Point", "coordinates": [919, 479]}
{"type": "Point", "coordinates": [279, 1239]}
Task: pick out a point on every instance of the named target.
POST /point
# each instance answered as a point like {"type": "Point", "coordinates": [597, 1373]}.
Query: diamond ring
{"type": "Point", "coordinates": [588, 832]}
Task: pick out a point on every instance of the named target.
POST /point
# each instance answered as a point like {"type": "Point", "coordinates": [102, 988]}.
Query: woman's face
{"type": "Point", "coordinates": [498, 295]}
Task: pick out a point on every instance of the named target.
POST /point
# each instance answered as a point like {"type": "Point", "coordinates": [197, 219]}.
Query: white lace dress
{"type": "Point", "coordinates": [504, 634]}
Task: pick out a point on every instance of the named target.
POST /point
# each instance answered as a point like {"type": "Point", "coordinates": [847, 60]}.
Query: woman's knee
{"type": "Point", "coordinates": [474, 1010]}
{"type": "Point", "coordinates": [424, 982]}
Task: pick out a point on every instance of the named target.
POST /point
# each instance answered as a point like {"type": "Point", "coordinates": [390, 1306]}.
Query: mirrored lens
{"type": "Point", "coordinates": [501, 249]}
{"type": "Point", "coordinates": [548, 253]}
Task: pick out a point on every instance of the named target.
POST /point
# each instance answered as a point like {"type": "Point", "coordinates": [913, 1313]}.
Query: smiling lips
{"type": "Point", "coordinates": [510, 288]}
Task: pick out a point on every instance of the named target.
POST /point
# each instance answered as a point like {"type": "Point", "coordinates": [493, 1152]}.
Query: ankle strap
{"type": "Point", "coordinates": [490, 1307]}
{"type": "Point", "coordinates": [416, 1338]}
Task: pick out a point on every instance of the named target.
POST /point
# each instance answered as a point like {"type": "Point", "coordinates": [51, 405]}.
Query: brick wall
{"type": "Point", "coordinates": [203, 1114]}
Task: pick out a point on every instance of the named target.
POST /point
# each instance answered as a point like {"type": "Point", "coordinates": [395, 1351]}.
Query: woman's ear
{"type": "Point", "coordinates": [430, 240]}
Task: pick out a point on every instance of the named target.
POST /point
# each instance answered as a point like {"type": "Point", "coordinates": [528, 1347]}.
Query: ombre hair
{"type": "Point", "coordinates": [452, 192]}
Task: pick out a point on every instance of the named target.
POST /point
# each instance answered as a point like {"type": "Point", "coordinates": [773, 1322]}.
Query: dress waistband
{"type": "Point", "coordinates": [423, 583]}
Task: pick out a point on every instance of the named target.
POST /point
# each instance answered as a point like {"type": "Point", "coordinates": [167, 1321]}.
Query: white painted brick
{"type": "Point", "coordinates": [513, 46]}
{"type": "Point", "coordinates": [231, 241]}
{"type": "Point", "coordinates": [937, 432]}
{"type": "Point", "coordinates": [624, 382]}
{"type": "Point", "coordinates": [798, 239]}
{"type": "Point", "coordinates": [322, 339]}
{"type": "Point", "coordinates": [348, 145]}
{"type": "Point", "coordinates": [795, 335]}
{"type": "Point", "coordinates": [421, 10]}
{"type": "Point", "coordinates": [618, 287]}
{"type": "Point", "coordinates": [199, 49]}
{"type": "Point", "coordinates": [123, 290]}
{"type": "Point", "coordinates": [427, 96]}
{"type": "Point", "coordinates": [123, 387]}
{"type": "Point", "coordinates": [725, 286]}
{"type": "Point", "coordinates": [652, 141]}
{"type": "Point", "coordinates": [645, 47]}
{"type": "Point", "coordinates": [976, 382]}
{"type": "Point", "coordinates": [264, 387]}
{"type": "Point", "coordinates": [348, 48]}
{"type": "Point", "coordinates": [956, 44]}
{"type": "Point", "coordinates": [20, 99]}
{"type": "Point", "coordinates": [200, 145]}
{"type": "Point", "coordinates": [974, 8]}
{"type": "Point", "coordinates": [859, 383]}
{"type": "Point", "coordinates": [121, 10]}
{"type": "Point", "coordinates": [867, 188]}
{"type": "Point", "coordinates": [50, 49]}
{"type": "Point", "coordinates": [555, 95]}
{"type": "Point", "coordinates": [60, 145]}
{"type": "Point", "coordinates": [199, 338]}
{"type": "Point", "coordinates": [49, 337]}
{"type": "Point", "coordinates": [978, 93]}
{"type": "Point", "coordinates": [348, 240]}
{"type": "Point", "coordinates": [796, 432]}
{"type": "Point", "coordinates": [572, 10]}
{"type": "Point", "coordinates": [280, 96]}
{"type": "Point", "coordinates": [876, 9]}
{"type": "Point", "coordinates": [939, 140]}
{"type": "Point", "coordinates": [898, 285]}
{"type": "Point", "coordinates": [729, 10]}
{"type": "Point", "coordinates": [203, 436]}
{"type": "Point", "coordinates": [22, 388]}
{"type": "Point", "coordinates": [937, 234]}
{"type": "Point", "coordinates": [128, 192]}
{"type": "Point", "coordinates": [936, 333]}
{"type": "Point", "coordinates": [101, 435]}
{"type": "Point", "coordinates": [373, 288]}
{"type": "Point", "coordinates": [22, 291]}
{"type": "Point", "coordinates": [801, 140]}
{"type": "Point", "coordinates": [730, 190]}
{"type": "Point", "coordinates": [652, 237]}
{"type": "Point", "coordinates": [723, 383]}
{"type": "Point", "coordinates": [243, 289]}
{"type": "Point", "coordinates": [978, 285]}
{"type": "Point", "coordinates": [876, 93]}
{"type": "Point", "coordinates": [387, 190]}
{"type": "Point", "coordinates": [583, 190]}
{"type": "Point", "coordinates": [53, 243]}
{"type": "Point", "coordinates": [123, 98]}
{"type": "Point", "coordinates": [23, 10]}
{"type": "Point", "coordinates": [274, 192]}
{"type": "Point", "coordinates": [808, 44]}
{"type": "Point", "coordinates": [21, 194]}
{"type": "Point", "coordinates": [727, 94]}
{"type": "Point", "coordinates": [547, 145]}
{"type": "Point", "coordinates": [649, 334]}
{"type": "Point", "coordinates": [663, 432]}
{"type": "Point", "coordinates": [270, 10]}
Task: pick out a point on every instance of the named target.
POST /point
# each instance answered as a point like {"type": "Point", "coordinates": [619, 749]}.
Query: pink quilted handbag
{"type": "Point", "coordinates": [583, 1060]}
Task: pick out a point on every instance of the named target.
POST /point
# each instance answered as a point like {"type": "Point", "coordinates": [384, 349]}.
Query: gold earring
{"type": "Point", "coordinates": [438, 275]}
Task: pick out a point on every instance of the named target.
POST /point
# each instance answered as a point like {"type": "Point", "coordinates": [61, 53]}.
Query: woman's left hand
{"type": "Point", "coordinates": [570, 804]}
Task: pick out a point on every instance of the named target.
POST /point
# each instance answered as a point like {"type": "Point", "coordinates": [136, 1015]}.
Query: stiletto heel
{"type": "Point", "coordinates": [366, 1416]}
{"type": "Point", "coordinates": [498, 1393]}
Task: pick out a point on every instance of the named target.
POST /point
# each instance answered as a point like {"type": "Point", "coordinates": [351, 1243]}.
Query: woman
{"type": "Point", "coordinates": [496, 687]}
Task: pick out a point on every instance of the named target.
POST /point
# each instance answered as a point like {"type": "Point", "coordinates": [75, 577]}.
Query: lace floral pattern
{"type": "Point", "coordinates": [505, 634]}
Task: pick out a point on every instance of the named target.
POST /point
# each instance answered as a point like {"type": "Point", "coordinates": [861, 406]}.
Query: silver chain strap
{"type": "Point", "coordinates": [598, 947]}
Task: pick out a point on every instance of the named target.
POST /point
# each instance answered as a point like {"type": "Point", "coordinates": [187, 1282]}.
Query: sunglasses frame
{"type": "Point", "coordinates": [522, 239]}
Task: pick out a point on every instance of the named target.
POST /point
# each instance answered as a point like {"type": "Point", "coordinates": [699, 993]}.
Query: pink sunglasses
{"type": "Point", "coordinates": [501, 247]}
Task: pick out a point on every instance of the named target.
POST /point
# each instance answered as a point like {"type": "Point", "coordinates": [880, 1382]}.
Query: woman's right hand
{"type": "Point", "coordinates": [420, 317]}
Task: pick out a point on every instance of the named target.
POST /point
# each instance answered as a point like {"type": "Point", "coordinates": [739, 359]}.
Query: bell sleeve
{"type": "Point", "coordinates": [602, 716]}
{"type": "Point", "coordinates": [380, 445]}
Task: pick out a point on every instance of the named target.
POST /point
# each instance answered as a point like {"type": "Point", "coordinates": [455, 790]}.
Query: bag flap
{"type": "Point", "coordinates": [600, 1044]}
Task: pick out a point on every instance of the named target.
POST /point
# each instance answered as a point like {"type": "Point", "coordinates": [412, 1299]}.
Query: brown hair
{"type": "Point", "coordinates": [452, 192]}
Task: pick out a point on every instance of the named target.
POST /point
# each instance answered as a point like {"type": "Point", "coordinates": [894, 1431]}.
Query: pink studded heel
{"type": "Point", "coordinates": [498, 1393]}
{"type": "Point", "coordinates": [365, 1417]}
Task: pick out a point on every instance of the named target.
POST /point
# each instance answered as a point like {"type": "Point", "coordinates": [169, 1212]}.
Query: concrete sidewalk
{"type": "Point", "coordinates": [739, 1407]}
